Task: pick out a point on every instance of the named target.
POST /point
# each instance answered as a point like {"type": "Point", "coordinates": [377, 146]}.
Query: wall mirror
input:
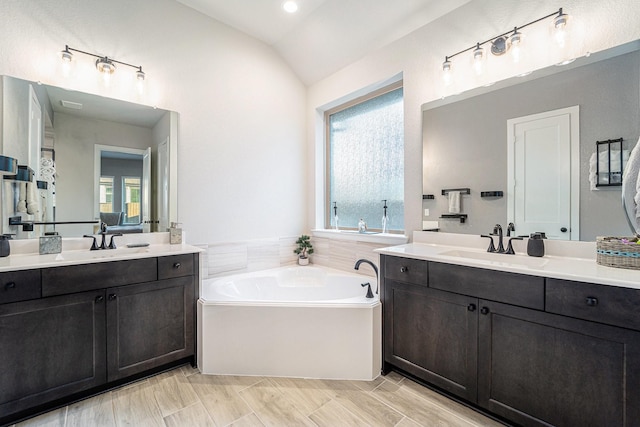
{"type": "Point", "coordinates": [465, 143]}
{"type": "Point", "coordinates": [83, 139]}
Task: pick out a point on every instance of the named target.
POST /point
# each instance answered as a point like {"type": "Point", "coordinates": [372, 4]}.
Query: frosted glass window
{"type": "Point", "coordinates": [366, 162]}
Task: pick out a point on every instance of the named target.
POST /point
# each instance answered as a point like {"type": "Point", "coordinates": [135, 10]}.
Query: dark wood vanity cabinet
{"type": "Point", "coordinates": [539, 359]}
{"type": "Point", "coordinates": [70, 334]}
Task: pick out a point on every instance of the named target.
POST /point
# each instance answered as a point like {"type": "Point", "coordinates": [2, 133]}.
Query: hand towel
{"type": "Point", "coordinates": [454, 202]}
{"type": "Point", "coordinates": [22, 198]}
{"type": "Point", "coordinates": [33, 200]}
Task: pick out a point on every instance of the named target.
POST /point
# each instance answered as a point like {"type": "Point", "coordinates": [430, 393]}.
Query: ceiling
{"type": "Point", "coordinates": [324, 36]}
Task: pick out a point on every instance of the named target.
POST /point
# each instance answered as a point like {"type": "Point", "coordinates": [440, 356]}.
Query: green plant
{"type": "Point", "coordinates": [304, 246]}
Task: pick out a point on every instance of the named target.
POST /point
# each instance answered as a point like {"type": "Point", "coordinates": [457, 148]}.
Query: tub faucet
{"type": "Point", "coordinates": [366, 261]}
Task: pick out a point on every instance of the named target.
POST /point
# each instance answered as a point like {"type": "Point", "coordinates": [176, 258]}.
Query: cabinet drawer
{"type": "Point", "coordinates": [501, 286]}
{"type": "Point", "coordinates": [175, 266]}
{"type": "Point", "coordinates": [598, 303]}
{"type": "Point", "coordinates": [405, 270]}
{"type": "Point", "coordinates": [19, 286]}
{"type": "Point", "coordinates": [79, 278]}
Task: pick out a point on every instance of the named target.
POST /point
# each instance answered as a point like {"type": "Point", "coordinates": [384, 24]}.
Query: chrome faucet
{"type": "Point", "coordinates": [366, 261]}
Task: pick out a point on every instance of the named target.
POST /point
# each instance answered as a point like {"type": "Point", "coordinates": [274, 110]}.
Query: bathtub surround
{"type": "Point", "coordinates": [221, 259]}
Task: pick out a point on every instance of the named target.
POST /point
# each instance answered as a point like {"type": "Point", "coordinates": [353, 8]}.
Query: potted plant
{"type": "Point", "coordinates": [304, 249]}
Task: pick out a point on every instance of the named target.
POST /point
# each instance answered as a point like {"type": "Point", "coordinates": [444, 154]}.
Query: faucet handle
{"type": "Point", "coordinates": [510, 250]}
{"type": "Point", "coordinates": [112, 243]}
{"type": "Point", "coordinates": [491, 247]}
{"type": "Point", "coordinates": [94, 245]}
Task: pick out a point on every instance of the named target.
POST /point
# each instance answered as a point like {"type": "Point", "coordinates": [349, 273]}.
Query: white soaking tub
{"type": "Point", "coordinates": [306, 322]}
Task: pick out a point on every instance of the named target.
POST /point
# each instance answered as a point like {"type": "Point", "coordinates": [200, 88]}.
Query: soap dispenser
{"type": "Point", "coordinates": [5, 249]}
{"type": "Point", "coordinates": [535, 245]}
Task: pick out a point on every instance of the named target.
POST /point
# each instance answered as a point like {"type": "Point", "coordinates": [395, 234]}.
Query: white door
{"type": "Point", "coordinates": [543, 174]}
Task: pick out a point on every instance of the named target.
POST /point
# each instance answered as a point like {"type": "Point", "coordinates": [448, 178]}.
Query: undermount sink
{"type": "Point", "coordinates": [496, 258]}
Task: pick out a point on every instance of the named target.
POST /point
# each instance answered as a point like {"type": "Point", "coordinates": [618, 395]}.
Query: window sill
{"type": "Point", "coordinates": [384, 238]}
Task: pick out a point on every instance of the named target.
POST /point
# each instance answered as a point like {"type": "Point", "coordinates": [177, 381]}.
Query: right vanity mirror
{"type": "Point", "coordinates": [525, 147]}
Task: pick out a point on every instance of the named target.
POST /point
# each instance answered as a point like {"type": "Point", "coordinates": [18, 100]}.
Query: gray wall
{"type": "Point", "coordinates": [465, 143]}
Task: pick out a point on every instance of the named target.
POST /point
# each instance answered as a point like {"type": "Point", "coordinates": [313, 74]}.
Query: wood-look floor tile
{"type": "Point", "coordinates": [55, 418]}
{"type": "Point", "coordinates": [449, 404]}
{"type": "Point", "coordinates": [370, 385]}
{"type": "Point", "coordinates": [193, 416]}
{"type": "Point", "coordinates": [250, 420]}
{"type": "Point", "coordinates": [174, 393]}
{"type": "Point", "coordinates": [394, 377]}
{"type": "Point", "coordinates": [307, 395]}
{"type": "Point", "coordinates": [96, 411]}
{"type": "Point", "coordinates": [362, 404]}
{"type": "Point", "coordinates": [334, 414]}
{"type": "Point", "coordinates": [188, 370]}
{"type": "Point", "coordinates": [136, 406]}
{"type": "Point", "coordinates": [272, 407]}
{"type": "Point", "coordinates": [407, 422]}
{"type": "Point", "coordinates": [219, 396]}
{"type": "Point", "coordinates": [420, 410]}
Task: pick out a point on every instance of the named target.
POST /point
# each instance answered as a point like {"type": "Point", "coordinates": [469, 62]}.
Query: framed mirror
{"type": "Point", "coordinates": [466, 143]}
{"type": "Point", "coordinates": [74, 127]}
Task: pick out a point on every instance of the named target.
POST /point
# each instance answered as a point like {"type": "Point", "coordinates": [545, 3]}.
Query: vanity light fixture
{"type": "Point", "coordinates": [105, 65]}
{"type": "Point", "coordinates": [510, 40]}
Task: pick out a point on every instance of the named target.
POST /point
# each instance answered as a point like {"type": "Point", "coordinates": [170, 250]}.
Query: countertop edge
{"type": "Point", "coordinates": [563, 268]}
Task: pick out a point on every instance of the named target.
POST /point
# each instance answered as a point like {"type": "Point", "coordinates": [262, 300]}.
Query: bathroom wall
{"type": "Point", "coordinates": [419, 57]}
{"type": "Point", "coordinates": [74, 144]}
{"type": "Point", "coordinates": [241, 151]}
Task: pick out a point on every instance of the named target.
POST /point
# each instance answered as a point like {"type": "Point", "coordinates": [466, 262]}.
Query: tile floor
{"type": "Point", "coordinates": [184, 397]}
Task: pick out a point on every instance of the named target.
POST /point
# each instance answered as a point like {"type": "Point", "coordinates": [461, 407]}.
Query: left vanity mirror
{"type": "Point", "coordinates": [93, 159]}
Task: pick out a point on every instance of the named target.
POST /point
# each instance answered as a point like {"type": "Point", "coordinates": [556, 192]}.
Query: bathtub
{"type": "Point", "coordinates": [305, 322]}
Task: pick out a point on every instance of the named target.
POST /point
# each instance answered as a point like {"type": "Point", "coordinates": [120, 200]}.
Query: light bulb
{"type": "Point", "coordinates": [560, 28]}
{"type": "Point", "coordinates": [478, 59]}
{"type": "Point", "coordinates": [446, 71]}
{"type": "Point", "coordinates": [515, 40]}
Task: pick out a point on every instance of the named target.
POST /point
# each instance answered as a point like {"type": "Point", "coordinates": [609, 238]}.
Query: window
{"type": "Point", "coordinates": [131, 200]}
{"type": "Point", "coordinates": [366, 161]}
{"type": "Point", "coordinates": [106, 194]}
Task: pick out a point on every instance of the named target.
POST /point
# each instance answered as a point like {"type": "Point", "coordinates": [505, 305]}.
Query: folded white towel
{"type": "Point", "coordinates": [454, 202]}
{"type": "Point", "coordinates": [22, 197]}
{"type": "Point", "coordinates": [33, 200]}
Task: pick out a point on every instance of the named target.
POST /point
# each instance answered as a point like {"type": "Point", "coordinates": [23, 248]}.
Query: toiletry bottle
{"type": "Point", "coordinates": [175, 233]}
{"type": "Point", "coordinates": [535, 245]}
{"type": "Point", "coordinates": [4, 245]}
{"type": "Point", "coordinates": [362, 226]}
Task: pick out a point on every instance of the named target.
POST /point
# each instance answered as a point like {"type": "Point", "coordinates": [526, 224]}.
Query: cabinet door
{"type": "Point", "coordinates": [433, 335]}
{"type": "Point", "coordinates": [50, 348]}
{"type": "Point", "coordinates": [149, 325]}
{"type": "Point", "coordinates": [537, 368]}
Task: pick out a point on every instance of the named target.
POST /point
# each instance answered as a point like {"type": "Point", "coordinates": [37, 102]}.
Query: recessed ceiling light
{"type": "Point", "coordinates": [290, 6]}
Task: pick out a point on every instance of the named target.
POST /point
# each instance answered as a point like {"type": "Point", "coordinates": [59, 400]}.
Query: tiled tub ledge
{"type": "Point", "coordinates": [354, 236]}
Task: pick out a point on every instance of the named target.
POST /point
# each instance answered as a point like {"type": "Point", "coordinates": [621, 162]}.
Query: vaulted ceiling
{"type": "Point", "coordinates": [324, 36]}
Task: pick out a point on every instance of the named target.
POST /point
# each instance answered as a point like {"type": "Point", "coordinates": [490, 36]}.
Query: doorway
{"type": "Point", "coordinates": [543, 173]}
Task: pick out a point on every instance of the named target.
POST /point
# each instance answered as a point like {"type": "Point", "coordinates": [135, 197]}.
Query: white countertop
{"type": "Point", "coordinates": [559, 264]}
{"type": "Point", "coordinates": [76, 251]}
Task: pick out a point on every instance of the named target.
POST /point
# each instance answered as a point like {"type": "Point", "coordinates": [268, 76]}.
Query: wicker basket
{"type": "Point", "coordinates": [614, 252]}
